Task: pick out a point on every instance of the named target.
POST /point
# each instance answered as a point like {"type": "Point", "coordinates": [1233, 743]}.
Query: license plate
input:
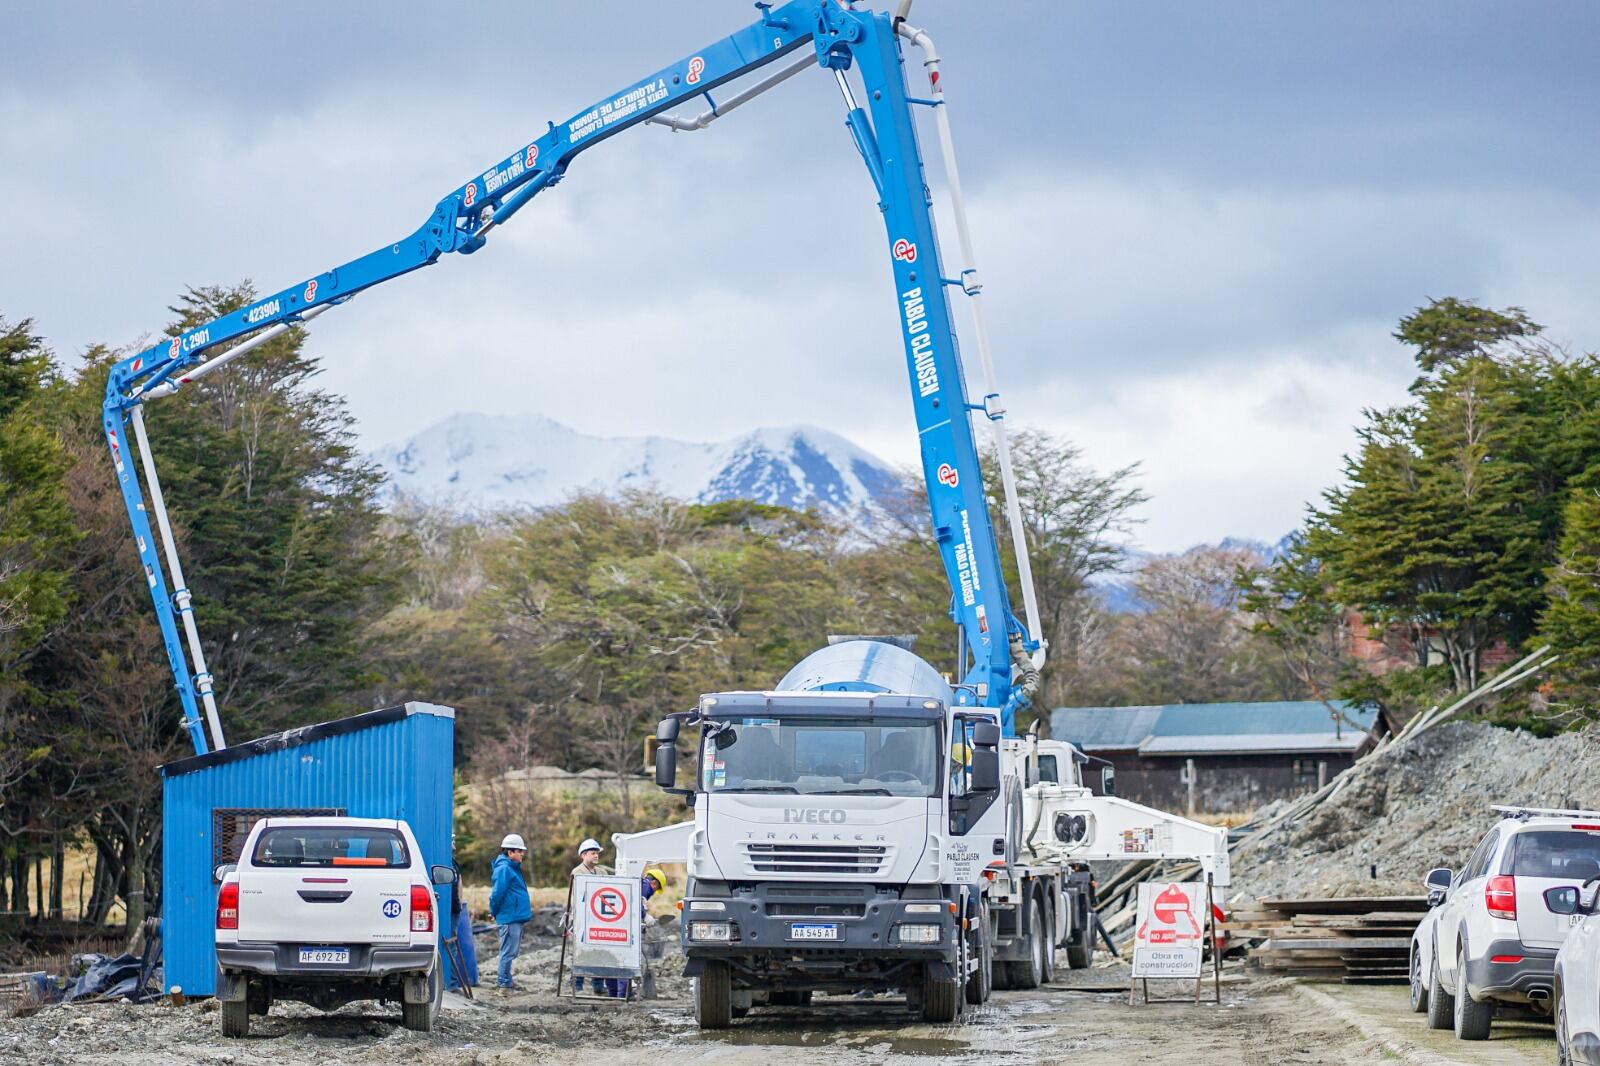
{"type": "Point", "coordinates": [336, 956]}
{"type": "Point", "coordinates": [1575, 920]}
{"type": "Point", "coordinates": [810, 931]}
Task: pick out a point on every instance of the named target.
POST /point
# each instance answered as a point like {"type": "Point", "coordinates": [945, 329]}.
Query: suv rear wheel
{"type": "Point", "coordinates": [1473, 1019]}
{"type": "Point", "coordinates": [1419, 987]}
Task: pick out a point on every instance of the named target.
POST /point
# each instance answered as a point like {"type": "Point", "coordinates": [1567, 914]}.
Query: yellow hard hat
{"type": "Point", "coordinates": [655, 874]}
{"type": "Point", "coordinates": [961, 753]}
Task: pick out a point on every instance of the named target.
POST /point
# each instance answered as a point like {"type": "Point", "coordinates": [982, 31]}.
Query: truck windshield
{"type": "Point", "coordinates": [813, 755]}
{"type": "Point", "coordinates": [317, 845]}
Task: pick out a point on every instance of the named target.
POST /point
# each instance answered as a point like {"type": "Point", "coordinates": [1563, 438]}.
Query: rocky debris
{"type": "Point", "coordinates": [1413, 806]}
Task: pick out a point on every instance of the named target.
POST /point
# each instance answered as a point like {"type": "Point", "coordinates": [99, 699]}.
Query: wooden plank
{"type": "Point", "coordinates": [1336, 944]}
{"type": "Point", "coordinates": [1349, 904]}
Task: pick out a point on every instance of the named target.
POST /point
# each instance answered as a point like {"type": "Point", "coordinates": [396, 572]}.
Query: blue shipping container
{"type": "Point", "coordinates": [395, 763]}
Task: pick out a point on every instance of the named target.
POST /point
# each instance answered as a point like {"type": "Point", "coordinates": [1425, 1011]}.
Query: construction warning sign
{"type": "Point", "coordinates": [1171, 931]}
{"type": "Point", "coordinates": [605, 926]}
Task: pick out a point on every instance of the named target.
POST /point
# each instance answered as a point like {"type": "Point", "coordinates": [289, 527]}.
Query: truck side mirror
{"type": "Point", "coordinates": [1108, 780]}
{"type": "Point", "coordinates": [442, 875]}
{"type": "Point", "coordinates": [985, 735]}
{"type": "Point", "coordinates": [985, 769]}
{"type": "Point", "coordinates": [667, 764]}
{"type": "Point", "coordinates": [667, 730]}
{"type": "Point", "coordinates": [1563, 899]}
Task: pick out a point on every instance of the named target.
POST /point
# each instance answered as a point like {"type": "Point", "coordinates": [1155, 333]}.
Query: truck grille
{"type": "Point", "coordinates": [793, 857]}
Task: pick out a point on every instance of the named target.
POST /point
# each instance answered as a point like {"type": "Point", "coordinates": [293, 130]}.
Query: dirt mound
{"type": "Point", "coordinates": [1414, 806]}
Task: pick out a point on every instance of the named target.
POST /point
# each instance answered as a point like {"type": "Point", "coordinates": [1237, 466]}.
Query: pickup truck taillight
{"type": "Point", "coordinates": [421, 909]}
{"type": "Point", "coordinates": [1500, 896]}
{"type": "Point", "coordinates": [228, 906]}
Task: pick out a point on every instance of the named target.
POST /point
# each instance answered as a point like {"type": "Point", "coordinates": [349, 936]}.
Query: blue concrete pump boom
{"type": "Point", "coordinates": [994, 667]}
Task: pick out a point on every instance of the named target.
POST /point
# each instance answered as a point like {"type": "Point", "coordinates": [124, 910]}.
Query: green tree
{"type": "Point", "coordinates": [1450, 330]}
{"type": "Point", "coordinates": [1438, 527]}
{"type": "Point", "coordinates": [279, 516]}
{"type": "Point", "coordinates": [1571, 619]}
{"type": "Point", "coordinates": [36, 531]}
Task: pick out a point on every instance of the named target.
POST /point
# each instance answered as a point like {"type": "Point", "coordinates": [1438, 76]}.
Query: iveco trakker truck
{"type": "Point", "coordinates": [858, 830]}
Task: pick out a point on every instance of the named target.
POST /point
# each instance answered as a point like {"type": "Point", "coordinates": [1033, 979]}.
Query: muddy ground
{"type": "Point", "coordinates": [1084, 1020]}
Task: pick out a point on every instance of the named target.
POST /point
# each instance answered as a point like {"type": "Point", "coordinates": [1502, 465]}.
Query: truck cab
{"type": "Point", "coordinates": [327, 911]}
{"type": "Point", "coordinates": [840, 841]}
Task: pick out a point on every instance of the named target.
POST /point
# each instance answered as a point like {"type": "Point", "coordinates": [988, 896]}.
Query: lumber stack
{"type": "Point", "coordinates": [1357, 940]}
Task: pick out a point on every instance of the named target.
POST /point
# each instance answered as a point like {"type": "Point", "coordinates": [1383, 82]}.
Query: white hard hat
{"type": "Point", "coordinates": [513, 841]}
{"type": "Point", "coordinates": [589, 845]}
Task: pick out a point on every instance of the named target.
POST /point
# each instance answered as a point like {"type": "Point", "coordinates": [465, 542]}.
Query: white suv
{"type": "Point", "coordinates": [1495, 936]}
{"type": "Point", "coordinates": [1578, 976]}
{"type": "Point", "coordinates": [327, 911]}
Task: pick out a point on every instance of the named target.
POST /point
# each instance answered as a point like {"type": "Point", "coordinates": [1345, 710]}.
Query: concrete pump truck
{"type": "Point", "coordinates": [867, 824]}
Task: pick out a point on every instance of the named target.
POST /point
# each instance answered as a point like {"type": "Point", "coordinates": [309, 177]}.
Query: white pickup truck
{"type": "Point", "coordinates": [327, 911]}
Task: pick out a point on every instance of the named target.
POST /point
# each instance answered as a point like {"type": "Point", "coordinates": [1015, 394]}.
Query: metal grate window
{"type": "Point", "coordinates": [231, 825]}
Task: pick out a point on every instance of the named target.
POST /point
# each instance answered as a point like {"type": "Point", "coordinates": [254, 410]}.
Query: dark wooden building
{"type": "Point", "coordinates": [1218, 758]}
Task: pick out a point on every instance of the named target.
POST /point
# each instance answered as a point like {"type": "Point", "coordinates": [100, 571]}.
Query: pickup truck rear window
{"type": "Point", "coordinates": [306, 845]}
{"type": "Point", "coordinates": [1567, 854]}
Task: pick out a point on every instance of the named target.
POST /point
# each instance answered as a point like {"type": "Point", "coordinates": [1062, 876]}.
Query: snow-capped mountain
{"type": "Point", "coordinates": [487, 462]}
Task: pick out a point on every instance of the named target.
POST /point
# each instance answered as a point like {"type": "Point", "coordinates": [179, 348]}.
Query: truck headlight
{"type": "Point", "coordinates": [722, 931]}
{"type": "Point", "coordinates": [919, 934]}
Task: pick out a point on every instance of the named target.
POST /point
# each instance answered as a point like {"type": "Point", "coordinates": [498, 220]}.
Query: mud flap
{"type": "Point", "coordinates": [694, 967]}
{"type": "Point", "coordinates": [941, 970]}
{"type": "Point", "coordinates": [418, 987]}
{"type": "Point", "coordinates": [232, 987]}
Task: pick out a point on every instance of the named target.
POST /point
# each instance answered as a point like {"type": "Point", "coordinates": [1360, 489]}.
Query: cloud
{"type": "Point", "coordinates": [1155, 294]}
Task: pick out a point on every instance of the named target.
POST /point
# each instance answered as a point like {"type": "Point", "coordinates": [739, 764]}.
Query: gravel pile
{"type": "Point", "coordinates": [1417, 805]}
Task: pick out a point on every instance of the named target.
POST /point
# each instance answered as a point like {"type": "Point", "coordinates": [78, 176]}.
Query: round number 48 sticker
{"type": "Point", "coordinates": [391, 908]}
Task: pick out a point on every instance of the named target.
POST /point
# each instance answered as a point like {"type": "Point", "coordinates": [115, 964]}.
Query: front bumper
{"type": "Point", "coordinates": [283, 960]}
{"type": "Point", "coordinates": [1511, 981]}
{"type": "Point", "coordinates": [868, 919]}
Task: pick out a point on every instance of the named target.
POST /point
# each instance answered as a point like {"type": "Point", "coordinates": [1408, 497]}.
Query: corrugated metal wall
{"type": "Point", "coordinates": [393, 763]}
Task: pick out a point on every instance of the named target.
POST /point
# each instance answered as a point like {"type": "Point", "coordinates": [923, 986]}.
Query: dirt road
{"type": "Point", "coordinates": [1261, 1023]}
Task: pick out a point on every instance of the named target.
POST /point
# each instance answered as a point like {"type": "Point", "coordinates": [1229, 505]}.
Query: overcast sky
{"type": "Point", "coordinates": [1198, 222]}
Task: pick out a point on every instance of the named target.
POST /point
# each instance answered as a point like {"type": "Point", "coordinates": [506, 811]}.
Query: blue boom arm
{"type": "Point", "coordinates": [840, 38]}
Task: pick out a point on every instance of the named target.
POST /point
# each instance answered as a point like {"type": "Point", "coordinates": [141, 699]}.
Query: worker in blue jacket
{"type": "Point", "coordinates": [510, 906]}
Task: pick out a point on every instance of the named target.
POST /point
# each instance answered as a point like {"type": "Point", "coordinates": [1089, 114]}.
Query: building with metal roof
{"type": "Point", "coordinates": [1220, 757]}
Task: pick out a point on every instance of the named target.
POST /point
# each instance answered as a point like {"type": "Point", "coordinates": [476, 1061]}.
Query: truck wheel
{"type": "Point", "coordinates": [1080, 953]}
{"type": "Point", "coordinates": [1441, 1004]}
{"type": "Point", "coordinates": [1029, 973]}
{"type": "Point", "coordinates": [1049, 935]}
{"type": "Point", "coordinates": [981, 982]}
{"type": "Point", "coordinates": [421, 1017]}
{"type": "Point", "coordinates": [713, 995]}
{"type": "Point", "coordinates": [941, 998]}
{"type": "Point", "coordinates": [1473, 1019]}
{"type": "Point", "coordinates": [236, 1018]}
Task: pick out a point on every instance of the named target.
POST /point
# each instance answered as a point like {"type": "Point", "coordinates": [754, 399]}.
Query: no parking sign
{"type": "Point", "coordinates": [605, 926]}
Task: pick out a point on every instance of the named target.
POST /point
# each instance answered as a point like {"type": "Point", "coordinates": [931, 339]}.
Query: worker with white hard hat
{"type": "Point", "coordinates": [589, 863]}
{"type": "Point", "coordinates": [510, 906]}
